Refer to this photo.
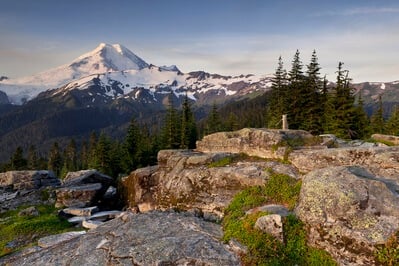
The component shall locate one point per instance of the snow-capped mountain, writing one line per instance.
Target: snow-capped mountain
(117, 72)
(104, 58)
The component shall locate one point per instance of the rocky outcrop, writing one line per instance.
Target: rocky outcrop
(184, 179)
(154, 238)
(348, 211)
(83, 189)
(262, 142)
(25, 180)
(26, 188)
(382, 161)
(3, 96)
(394, 140)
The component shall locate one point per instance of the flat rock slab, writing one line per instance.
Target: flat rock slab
(53, 240)
(81, 211)
(153, 238)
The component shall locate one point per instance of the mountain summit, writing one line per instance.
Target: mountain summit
(104, 58)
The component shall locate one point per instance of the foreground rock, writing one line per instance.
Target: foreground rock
(154, 238)
(348, 211)
(184, 180)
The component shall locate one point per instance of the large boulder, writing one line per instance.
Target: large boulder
(382, 161)
(184, 179)
(83, 189)
(154, 238)
(389, 139)
(27, 188)
(262, 142)
(25, 180)
(348, 212)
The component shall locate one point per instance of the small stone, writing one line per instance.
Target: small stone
(271, 224)
(81, 211)
(88, 224)
(31, 211)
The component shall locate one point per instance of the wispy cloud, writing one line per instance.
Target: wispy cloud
(359, 11)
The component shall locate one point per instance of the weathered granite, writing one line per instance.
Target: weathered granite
(386, 138)
(271, 224)
(153, 238)
(382, 161)
(348, 211)
(262, 142)
(183, 180)
(78, 196)
(26, 180)
(53, 240)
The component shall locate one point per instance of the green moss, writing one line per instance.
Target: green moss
(25, 230)
(222, 162)
(388, 254)
(264, 249)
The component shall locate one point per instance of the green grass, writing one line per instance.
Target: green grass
(233, 158)
(264, 249)
(26, 230)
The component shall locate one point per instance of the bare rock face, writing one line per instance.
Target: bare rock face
(386, 138)
(262, 142)
(184, 180)
(348, 211)
(153, 238)
(271, 224)
(26, 188)
(24, 180)
(83, 189)
(382, 161)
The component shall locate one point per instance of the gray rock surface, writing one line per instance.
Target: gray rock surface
(183, 180)
(381, 161)
(81, 211)
(53, 240)
(262, 142)
(153, 238)
(26, 188)
(25, 180)
(271, 224)
(348, 211)
(386, 138)
(79, 196)
(30, 211)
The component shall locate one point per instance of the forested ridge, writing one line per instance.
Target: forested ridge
(308, 99)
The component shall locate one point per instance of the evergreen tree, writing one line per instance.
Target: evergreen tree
(131, 147)
(70, 159)
(55, 159)
(377, 119)
(361, 121)
(103, 157)
(17, 161)
(341, 120)
(213, 122)
(84, 156)
(311, 95)
(392, 125)
(171, 129)
(278, 99)
(296, 91)
(188, 126)
(296, 72)
(33, 160)
(92, 151)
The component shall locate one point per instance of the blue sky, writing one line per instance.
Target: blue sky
(218, 36)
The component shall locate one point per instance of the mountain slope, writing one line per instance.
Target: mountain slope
(104, 58)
